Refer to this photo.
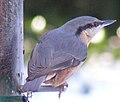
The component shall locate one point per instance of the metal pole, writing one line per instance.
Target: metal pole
(11, 49)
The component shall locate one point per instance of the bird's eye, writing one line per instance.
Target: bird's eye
(87, 34)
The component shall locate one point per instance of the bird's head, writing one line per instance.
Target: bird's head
(87, 26)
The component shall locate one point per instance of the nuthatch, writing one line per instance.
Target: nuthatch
(61, 51)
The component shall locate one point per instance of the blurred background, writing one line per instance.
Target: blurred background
(99, 78)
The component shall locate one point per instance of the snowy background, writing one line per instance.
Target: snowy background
(97, 81)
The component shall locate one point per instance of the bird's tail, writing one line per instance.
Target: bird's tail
(33, 85)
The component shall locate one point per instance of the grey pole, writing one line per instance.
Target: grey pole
(11, 49)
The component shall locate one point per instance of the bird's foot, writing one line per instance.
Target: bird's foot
(62, 88)
(29, 94)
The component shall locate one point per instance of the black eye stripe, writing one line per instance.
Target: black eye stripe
(87, 26)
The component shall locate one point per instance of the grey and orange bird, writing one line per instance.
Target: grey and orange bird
(61, 51)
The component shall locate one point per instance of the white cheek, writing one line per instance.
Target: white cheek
(94, 30)
(90, 32)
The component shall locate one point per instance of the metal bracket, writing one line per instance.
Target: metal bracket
(49, 88)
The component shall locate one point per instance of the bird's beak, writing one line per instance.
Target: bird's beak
(108, 22)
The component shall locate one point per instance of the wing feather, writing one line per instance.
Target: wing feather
(55, 52)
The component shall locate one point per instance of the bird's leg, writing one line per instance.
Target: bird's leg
(62, 88)
(26, 98)
(29, 94)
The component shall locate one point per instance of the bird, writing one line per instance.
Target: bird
(60, 52)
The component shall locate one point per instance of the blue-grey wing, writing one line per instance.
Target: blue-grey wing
(53, 54)
(69, 52)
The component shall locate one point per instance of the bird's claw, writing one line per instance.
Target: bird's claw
(62, 87)
(29, 94)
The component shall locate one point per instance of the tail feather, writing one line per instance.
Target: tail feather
(33, 85)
